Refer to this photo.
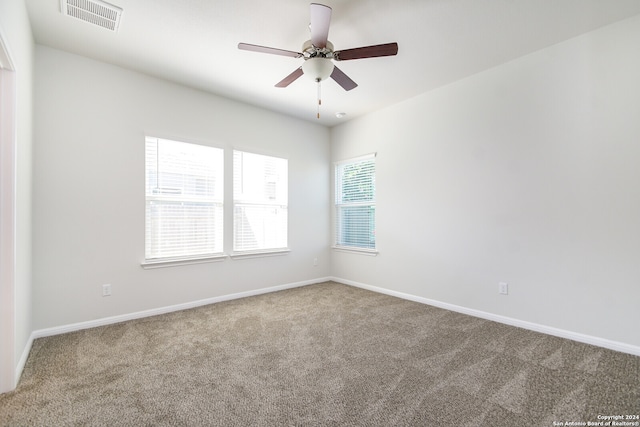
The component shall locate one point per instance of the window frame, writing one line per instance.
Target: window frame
(277, 203)
(338, 204)
(216, 201)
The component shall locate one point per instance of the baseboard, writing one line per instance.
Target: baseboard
(162, 310)
(23, 359)
(575, 336)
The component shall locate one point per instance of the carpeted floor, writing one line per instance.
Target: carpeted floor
(324, 354)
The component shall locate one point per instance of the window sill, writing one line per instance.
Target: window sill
(362, 251)
(258, 254)
(173, 262)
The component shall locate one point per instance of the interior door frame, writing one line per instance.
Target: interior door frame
(8, 138)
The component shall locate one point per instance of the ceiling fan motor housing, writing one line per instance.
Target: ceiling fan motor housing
(311, 51)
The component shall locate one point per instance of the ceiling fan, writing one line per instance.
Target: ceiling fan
(318, 53)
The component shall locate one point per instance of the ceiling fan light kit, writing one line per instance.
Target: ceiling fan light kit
(317, 69)
(318, 53)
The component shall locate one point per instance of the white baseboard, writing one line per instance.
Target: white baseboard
(162, 310)
(575, 336)
(23, 359)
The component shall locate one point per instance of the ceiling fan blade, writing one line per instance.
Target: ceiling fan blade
(271, 50)
(342, 79)
(320, 19)
(290, 78)
(388, 49)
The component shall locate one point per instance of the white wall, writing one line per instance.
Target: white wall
(91, 119)
(16, 29)
(527, 173)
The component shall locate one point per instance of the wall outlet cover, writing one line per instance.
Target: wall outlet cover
(503, 288)
(106, 290)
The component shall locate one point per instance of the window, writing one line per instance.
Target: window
(184, 200)
(355, 204)
(260, 197)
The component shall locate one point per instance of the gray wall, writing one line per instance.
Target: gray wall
(527, 173)
(91, 120)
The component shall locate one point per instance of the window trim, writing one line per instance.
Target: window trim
(259, 253)
(352, 249)
(173, 262)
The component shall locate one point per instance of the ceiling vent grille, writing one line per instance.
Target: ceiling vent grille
(95, 12)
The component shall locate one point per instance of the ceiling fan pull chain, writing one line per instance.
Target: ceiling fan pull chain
(319, 97)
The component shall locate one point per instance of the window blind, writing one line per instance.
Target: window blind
(184, 200)
(355, 206)
(260, 202)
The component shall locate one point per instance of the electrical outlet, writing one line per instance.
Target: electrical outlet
(503, 288)
(315, 261)
(106, 290)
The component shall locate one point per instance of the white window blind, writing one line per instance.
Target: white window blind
(184, 200)
(355, 203)
(260, 199)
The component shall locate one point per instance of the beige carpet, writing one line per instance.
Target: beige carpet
(324, 354)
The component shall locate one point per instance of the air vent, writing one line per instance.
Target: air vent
(95, 12)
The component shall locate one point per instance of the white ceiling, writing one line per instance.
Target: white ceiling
(194, 43)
